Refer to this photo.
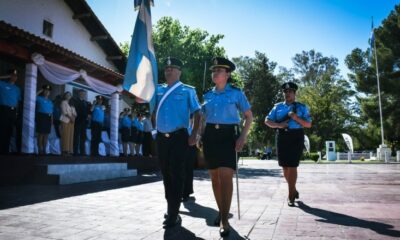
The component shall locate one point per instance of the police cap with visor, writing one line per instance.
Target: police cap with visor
(219, 62)
(173, 63)
(289, 85)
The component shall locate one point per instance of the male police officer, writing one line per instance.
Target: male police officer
(10, 95)
(82, 112)
(175, 103)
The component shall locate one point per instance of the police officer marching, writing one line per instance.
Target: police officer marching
(222, 139)
(44, 117)
(10, 95)
(97, 124)
(175, 103)
(289, 118)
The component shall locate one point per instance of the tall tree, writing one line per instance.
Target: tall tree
(364, 77)
(194, 47)
(261, 88)
(327, 94)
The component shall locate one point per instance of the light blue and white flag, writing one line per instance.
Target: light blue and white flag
(371, 42)
(141, 70)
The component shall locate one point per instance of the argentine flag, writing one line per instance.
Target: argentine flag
(371, 43)
(141, 69)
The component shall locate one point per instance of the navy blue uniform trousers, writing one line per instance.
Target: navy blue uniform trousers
(172, 153)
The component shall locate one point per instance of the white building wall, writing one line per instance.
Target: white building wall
(67, 32)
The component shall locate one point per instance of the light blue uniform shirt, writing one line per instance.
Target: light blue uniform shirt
(10, 94)
(281, 110)
(44, 105)
(176, 108)
(137, 124)
(98, 114)
(126, 122)
(223, 107)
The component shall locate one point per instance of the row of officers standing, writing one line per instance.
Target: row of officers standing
(71, 117)
(217, 126)
(221, 134)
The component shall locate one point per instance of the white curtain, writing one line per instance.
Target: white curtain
(59, 75)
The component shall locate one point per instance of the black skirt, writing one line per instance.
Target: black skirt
(134, 135)
(219, 145)
(43, 123)
(290, 145)
(125, 134)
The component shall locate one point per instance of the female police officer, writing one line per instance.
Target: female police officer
(221, 139)
(44, 117)
(289, 118)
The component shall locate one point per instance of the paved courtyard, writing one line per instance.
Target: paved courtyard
(337, 201)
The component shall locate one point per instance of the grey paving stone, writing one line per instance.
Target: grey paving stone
(346, 201)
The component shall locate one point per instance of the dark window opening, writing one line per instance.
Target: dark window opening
(47, 28)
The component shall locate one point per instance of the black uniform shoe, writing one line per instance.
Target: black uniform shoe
(224, 232)
(297, 195)
(290, 202)
(169, 223)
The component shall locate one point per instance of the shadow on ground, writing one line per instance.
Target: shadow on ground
(208, 214)
(244, 173)
(346, 220)
(21, 195)
(180, 233)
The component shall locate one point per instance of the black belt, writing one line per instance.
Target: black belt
(8, 107)
(282, 130)
(221, 126)
(170, 134)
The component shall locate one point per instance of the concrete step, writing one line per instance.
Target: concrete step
(77, 173)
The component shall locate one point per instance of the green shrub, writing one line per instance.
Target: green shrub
(314, 156)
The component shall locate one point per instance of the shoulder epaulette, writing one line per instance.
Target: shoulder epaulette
(189, 86)
(235, 87)
(276, 104)
(208, 90)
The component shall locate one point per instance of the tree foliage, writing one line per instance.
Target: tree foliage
(364, 77)
(327, 95)
(261, 88)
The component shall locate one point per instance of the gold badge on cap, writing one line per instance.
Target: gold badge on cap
(215, 61)
(287, 85)
(169, 61)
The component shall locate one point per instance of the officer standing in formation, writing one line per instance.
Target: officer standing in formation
(175, 103)
(222, 138)
(10, 96)
(97, 124)
(44, 117)
(289, 118)
(82, 113)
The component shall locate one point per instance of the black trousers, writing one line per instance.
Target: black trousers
(146, 147)
(79, 137)
(96, 138)
(172, 152)
(8, 117)
(190, 162)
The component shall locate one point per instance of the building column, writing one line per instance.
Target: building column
(28, 117)
(114, 119)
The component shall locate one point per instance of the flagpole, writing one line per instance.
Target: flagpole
(379, 94)
(204, 75)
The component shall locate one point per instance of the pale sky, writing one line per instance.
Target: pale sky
(279, 28)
